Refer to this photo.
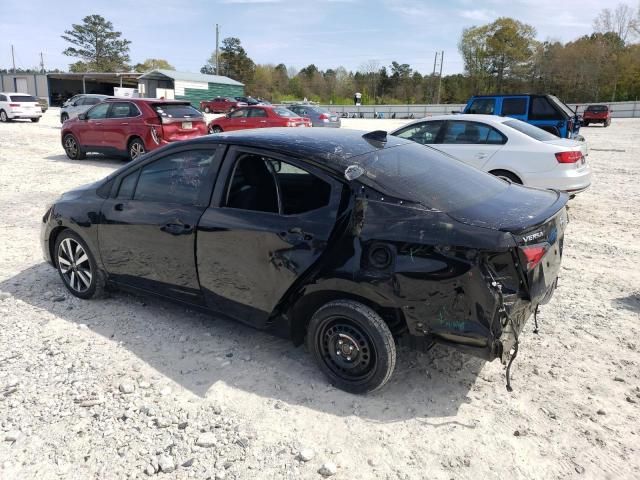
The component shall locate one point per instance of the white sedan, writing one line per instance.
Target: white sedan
(506, 147)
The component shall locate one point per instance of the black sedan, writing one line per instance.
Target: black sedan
(355, 242)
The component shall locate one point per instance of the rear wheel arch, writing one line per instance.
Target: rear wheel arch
(301, 312)
(501, 173)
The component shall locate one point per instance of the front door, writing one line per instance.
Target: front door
(472, 142)
(148, 227)
(269, 222)
(237, 120)
(90, 129)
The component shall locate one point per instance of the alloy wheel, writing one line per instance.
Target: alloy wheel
(71, 146)
(136, 150)
(346, 349)
(74, 265)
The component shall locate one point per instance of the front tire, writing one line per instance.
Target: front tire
(352, 345)
(77, 266)
(72, 147)
(64, 117)
(136, 149)
(35, 120)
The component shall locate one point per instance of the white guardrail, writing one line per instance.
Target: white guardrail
(618, 109)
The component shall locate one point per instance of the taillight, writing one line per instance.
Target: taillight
(14, 104)
(533, 254)
(568, 157)
(291, 124)
(324, 117)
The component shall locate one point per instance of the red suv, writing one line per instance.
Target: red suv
(597, 114)
(130, 127)
(258, 117)
(221, 105)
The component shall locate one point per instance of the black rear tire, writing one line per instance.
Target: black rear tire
(586, 124)
(215, 129)
(352, 345)
(72, 148)
(77, 266)
(506, 175)
(35, 120)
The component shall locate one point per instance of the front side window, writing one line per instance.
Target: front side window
(3, 98)
(128, 186)
(461, 132)
(424, 133)
(98, 112)
(485, 106)
(263, 184)
(90, 101)
(240, 113)
(176, 178)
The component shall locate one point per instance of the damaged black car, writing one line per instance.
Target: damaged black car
(352, 242)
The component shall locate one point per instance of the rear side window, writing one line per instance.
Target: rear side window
(90, 101)
(461, 132)
(176, 111)
(484, 106)
(123, 110)
(541, 109)
(514, 106)
(257, 112)
(424, 133)
(3, 98)
(284, 112)
(176, 178)
(23, 98)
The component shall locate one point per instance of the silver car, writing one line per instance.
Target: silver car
(79, 104)
(319, 116)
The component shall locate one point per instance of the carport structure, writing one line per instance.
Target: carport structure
(65, 85)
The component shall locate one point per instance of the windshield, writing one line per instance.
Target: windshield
(597, 108)
(427, 176)
(563, 106)
(23, 98)
(284, 112)
(530, 130)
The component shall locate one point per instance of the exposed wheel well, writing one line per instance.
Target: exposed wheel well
(132, 138)
(301, 312)
(506, 173)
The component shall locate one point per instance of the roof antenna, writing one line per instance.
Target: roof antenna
(377, 138)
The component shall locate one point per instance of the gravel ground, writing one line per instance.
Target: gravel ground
(132, 387)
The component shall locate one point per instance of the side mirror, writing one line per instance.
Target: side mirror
(276, 165)
(82, 116)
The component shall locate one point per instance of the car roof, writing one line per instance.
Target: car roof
(147, 100)
(511, 95)
(470, 117)
(332, 147)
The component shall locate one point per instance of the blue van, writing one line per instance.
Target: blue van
(544, 111)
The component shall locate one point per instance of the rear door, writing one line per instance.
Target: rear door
(516, 107)
(117, 126)
(148, 230)
(472, 142)
(257, 118)
(270, 220)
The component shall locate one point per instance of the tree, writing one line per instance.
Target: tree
(233, 62)
(97, 45)
(623, 21)
(370, 69)
(153, 64)
(498, 51)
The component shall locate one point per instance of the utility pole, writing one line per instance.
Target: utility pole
(41, 63)
(433, 75)
(440, 79)
(13, 59)
(217, 39)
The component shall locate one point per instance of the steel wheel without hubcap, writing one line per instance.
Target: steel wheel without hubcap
(74, 265)
(346, 349)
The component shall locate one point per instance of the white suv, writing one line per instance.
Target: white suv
(19, 105)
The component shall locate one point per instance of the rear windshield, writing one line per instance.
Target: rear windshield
(23, 98)
(530, 130)
(597, 108)
(427, 176)
(562, 106)
(321, 110)
(172, 110)
(284, 112)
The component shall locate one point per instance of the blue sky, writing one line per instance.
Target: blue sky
(328, 33)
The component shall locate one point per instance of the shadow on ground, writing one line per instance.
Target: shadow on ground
(93, 159)
(197, 351)
(630, 302)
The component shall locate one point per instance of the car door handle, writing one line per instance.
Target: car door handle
(176, 228)
(124, 123)
(97, 123)
(119, 207)
(263, 121)
(482, 155)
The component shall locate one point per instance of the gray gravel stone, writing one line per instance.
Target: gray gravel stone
(207, 440)
(328, 469)
(306, 454)
(127, 387)
(166, 463)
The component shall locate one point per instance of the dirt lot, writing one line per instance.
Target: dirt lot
(129, 386)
